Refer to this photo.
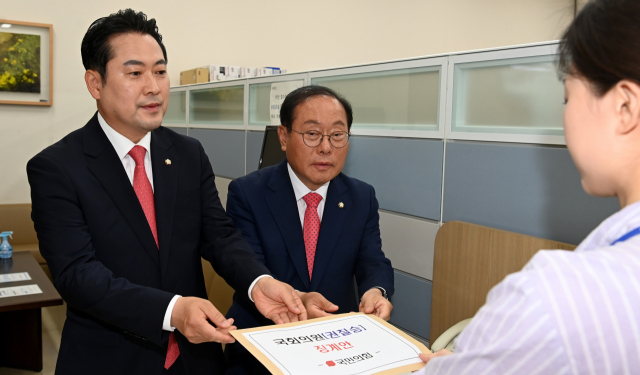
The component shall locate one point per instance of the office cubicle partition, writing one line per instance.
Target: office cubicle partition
(471, 136)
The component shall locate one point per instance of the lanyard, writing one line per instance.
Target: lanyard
(633, 233)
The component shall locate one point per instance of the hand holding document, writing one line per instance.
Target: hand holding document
(278, 301)
(346, 344)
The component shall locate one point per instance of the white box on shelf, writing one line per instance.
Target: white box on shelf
(233, 72)
(265, 72)
(248, 72)
(217, 73)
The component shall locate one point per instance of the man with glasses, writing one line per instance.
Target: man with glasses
(313, 227)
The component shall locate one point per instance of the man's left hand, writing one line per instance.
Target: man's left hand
(278, 301)
(374, 303)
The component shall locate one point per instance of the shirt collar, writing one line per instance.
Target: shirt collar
(616, 226)
(300, 189)
(120, 143)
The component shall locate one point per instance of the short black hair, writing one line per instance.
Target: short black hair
(298, 96)
(96, 47)
(602, 44)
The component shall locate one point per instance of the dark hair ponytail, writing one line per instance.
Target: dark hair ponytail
(603, 44)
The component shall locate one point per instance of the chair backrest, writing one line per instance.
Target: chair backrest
(17, 218)
(471, 259)
(219, 292)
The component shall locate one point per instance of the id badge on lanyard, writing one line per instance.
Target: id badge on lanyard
(633, 233)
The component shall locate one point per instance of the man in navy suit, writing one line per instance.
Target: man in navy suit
(125, 209)
(313, 227)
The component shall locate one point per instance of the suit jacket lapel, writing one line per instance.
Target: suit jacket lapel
(165, 184)
(282, 204)
(333, 220)
(105, 165)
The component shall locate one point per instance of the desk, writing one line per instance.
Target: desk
(20, 318)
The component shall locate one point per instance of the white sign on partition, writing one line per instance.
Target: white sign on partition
(279, 91)
(348, 344)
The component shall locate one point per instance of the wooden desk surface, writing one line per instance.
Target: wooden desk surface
(25, 262)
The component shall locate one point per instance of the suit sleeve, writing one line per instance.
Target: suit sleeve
(373, 269)
(223, 244)
(83, 281)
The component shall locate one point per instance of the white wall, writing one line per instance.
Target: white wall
(298, 35)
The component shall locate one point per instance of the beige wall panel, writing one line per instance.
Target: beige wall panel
(223, 187)
(298, 35)
(408, 243)
(581, 3)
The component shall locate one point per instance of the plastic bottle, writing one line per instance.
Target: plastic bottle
(6, 251)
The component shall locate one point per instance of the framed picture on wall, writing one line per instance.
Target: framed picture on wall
(26, 63)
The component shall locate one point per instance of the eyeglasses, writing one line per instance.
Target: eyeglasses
(313, 138)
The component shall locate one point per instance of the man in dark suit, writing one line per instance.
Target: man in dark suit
(312, 226)
(125, 209)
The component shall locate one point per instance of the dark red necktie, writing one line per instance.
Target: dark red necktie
(142, 187)
(311, 228)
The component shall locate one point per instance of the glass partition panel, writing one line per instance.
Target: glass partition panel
(260, 99)
(177, 108)
(515, 96)
(259, 104)
(405, 99)
(218, 106)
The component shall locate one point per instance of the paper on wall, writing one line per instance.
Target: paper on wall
(279, 91)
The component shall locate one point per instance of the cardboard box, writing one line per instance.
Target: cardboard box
(198, 75)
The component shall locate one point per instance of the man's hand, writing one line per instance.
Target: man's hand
(373, 302)
(317, 306)
(426, 357)
(278, 301)
(190, 315)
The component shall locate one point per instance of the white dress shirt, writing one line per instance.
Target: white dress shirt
(566, 312)
(300, 190)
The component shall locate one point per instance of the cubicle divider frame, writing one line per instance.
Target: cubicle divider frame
(183, 124)
(437, 63)
(446, 63)
(546, 50)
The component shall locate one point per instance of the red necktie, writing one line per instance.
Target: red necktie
(311, 228)
(142, 187)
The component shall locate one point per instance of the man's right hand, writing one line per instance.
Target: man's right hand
(317, 306)
(190, 315)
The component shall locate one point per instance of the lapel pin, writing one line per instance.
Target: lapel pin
(167, 162)
(341, 205)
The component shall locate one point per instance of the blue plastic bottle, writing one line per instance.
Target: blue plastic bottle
(6, 251)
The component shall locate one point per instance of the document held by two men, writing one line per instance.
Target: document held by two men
(345, 344)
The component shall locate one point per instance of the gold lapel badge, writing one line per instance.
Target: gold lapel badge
(167, 162)
(341, 205)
